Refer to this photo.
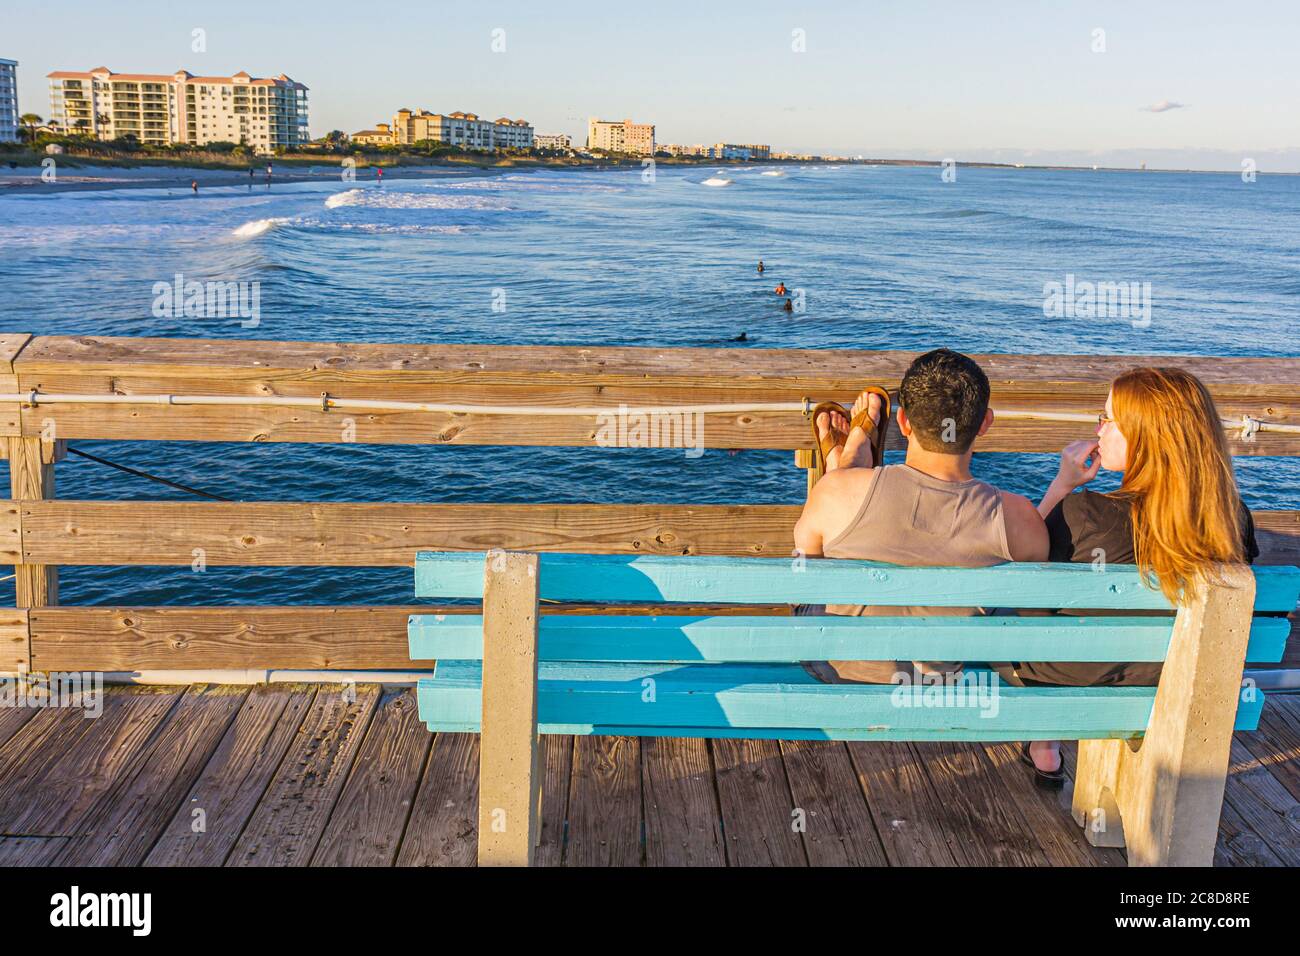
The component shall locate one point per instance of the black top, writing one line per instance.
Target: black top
(1087, 520)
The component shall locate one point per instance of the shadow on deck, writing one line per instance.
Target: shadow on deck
(298, 774)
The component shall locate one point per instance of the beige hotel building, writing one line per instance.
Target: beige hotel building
(621, 137)
(163, 109)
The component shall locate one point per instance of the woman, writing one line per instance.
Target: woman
(1176, 514)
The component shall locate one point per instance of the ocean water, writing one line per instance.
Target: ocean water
(887, 258)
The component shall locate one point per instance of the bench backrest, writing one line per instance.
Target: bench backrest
(735, 675)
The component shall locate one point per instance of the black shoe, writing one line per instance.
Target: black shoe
(1046, 779)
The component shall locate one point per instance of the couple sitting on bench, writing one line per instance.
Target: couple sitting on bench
(1176, 513)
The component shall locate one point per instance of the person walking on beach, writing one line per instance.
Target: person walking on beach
(379, 174)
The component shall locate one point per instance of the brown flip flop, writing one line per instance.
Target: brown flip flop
(875, 433)
(835, 438)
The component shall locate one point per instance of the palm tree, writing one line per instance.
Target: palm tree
(30, 121)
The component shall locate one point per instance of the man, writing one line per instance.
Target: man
(927, 511)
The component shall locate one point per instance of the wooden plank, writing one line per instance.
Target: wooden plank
(125, 824)
(308, 637)
(12, 719)
(1264, 804)
(370, 817)
(579, 697)
(1276, 743)
(349, 534)
(36, 583)
(346, 534)
(208, 822)
(757, 808)
(58, 783)
(979, 816)
(682, 820)
(291, 816)
(11, 344)
(31, 851)
(1239, 845)
(1262, 387)
(837, 826)
(509, 783)
(741, 639)
(1046, 815)
(605, 803)
(557, 778)
(443, 827)
(15, 641)
(902, 803)
(652, 577)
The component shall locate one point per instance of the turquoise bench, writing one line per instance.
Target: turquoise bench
(1151, 766)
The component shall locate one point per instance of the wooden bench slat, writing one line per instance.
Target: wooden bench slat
(599, 696)
(587, 577)
(684, 640)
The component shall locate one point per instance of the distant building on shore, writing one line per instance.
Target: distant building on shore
(163, 109)
(740, 151)
(466, 130)
(381, 135)
(623, 136)
(553, 141)
(8, 101)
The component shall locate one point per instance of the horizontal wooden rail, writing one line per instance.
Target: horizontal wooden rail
(1265, 388)
(251, 637)
(348, 534)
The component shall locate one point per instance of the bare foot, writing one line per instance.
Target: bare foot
(828, 423)
(857, 449)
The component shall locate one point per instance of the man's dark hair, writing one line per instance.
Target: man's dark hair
(945, 395)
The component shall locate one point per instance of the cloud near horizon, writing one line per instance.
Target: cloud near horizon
(1164, 106)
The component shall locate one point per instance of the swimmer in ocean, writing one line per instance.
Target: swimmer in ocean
(194, 184)
(780, 288)
(789, 305)
(760, 267)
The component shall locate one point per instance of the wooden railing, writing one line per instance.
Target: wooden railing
(41, 532)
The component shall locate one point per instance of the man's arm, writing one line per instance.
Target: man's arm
(808, 529)
(1026, 532)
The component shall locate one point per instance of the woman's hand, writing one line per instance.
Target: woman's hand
(1073, 472)
(1075, 469)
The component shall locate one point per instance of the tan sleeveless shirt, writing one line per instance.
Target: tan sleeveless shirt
(908, 517)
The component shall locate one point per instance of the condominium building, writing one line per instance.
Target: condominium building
(8, 101)
(466, 130)
(621, 137)
(553, 141)
(162, 109)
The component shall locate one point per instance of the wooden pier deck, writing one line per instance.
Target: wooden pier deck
(324, 775)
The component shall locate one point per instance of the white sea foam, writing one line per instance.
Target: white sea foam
(716, 181)
(375, 198)
(256, 227)
(773, 172)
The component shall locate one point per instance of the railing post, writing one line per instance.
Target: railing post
(509, 783)
(31, 476)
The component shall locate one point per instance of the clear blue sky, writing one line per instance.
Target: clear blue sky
(1013, 80)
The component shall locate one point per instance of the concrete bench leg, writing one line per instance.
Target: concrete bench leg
(509, 783)
(1163, 799)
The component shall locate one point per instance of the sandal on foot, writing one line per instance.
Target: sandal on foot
(876, 433)
(1046, 779)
